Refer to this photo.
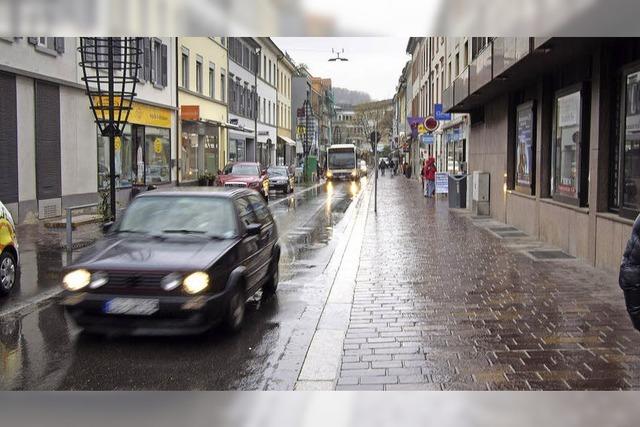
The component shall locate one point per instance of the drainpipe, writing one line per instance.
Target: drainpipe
(178, 136)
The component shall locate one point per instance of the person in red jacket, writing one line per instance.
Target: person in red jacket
(429, 177)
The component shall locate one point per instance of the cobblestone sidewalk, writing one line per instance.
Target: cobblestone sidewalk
(441, 304)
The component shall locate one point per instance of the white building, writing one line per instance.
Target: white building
(242, 99)
(267, 101)
(52, 155)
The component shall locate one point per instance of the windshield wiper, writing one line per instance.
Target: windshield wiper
(131, 231)
(183, 231)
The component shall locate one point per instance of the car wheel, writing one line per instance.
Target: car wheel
(271, 286)
(234, 317)
(7, 273)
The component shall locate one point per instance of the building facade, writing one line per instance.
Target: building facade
(242, 98)
(202, 82)
(267, 101)
(554, 122)
(286, 144)
(47, 130)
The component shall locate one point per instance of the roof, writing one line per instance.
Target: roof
(194, 191)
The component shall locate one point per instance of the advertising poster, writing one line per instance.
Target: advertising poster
(524, 144)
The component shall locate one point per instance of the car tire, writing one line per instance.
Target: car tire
(8, 272)
(271, 285)
(236, 307)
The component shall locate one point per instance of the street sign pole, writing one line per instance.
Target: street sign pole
(375, 184)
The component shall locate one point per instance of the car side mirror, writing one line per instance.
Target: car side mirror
(107, 226)
(254, 229)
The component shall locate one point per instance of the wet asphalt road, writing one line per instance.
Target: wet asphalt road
(43, 350)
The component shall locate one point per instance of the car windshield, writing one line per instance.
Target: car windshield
(245, 170)
(342, 159)
(211, 216)
(277, 171)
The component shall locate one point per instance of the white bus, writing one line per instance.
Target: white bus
(342, 162)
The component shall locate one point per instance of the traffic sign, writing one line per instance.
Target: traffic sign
(430, 124)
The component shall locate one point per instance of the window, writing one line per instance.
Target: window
(260, 210)
(185, 69)
(245, 212)
(629, 134)
(223, 91)
(570, 167)
(159, 63)
(264, 67)
(212, 81)
(466, 54)
(269, 117)
(199, 75)
(158, 155)
(269, 71)
(525, 148)
(264, 109)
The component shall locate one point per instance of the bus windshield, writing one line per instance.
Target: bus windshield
(341, 159)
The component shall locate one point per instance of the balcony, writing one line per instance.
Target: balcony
(509, 64)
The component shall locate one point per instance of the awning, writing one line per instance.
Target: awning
(236, 127)
(289, 141)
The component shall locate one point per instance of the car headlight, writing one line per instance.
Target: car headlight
(196, 282)
(353, 173)
(329, 174)
(76, 280)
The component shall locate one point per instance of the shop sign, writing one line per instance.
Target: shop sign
(157, 145)
(438, 114)
(140, 114)
(190, 112)
(442, 182)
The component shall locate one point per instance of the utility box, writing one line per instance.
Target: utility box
(480, 198)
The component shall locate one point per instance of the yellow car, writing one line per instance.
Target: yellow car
(9, 257)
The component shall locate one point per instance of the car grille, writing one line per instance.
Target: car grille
(235, 184)
(132, 281)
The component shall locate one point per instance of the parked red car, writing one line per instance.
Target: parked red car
(246, 174)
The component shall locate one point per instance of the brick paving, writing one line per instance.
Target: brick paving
(442, 304)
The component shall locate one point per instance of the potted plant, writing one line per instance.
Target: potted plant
(203, 179)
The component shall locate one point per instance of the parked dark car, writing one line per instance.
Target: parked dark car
(246, 175)
(176, 262)
(281, 178)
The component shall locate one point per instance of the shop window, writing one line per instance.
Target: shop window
(524, 176)
(629, 152)
(124, 171)
(158, 155)
(570, 147)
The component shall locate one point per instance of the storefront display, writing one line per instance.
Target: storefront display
(198, 150)
(525, 152)
(567, 144)
(142, 152)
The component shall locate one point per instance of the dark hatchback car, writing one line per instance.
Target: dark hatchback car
(281, 179)
(176, 262)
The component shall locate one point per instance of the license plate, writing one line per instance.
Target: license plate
(131, 306)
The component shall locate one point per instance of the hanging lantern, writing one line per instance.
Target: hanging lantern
(110, 72)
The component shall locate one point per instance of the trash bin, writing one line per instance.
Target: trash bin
(458, 191)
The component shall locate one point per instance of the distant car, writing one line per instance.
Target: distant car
(245, 175)
(176, 262)
(281, 178)
(9, 253)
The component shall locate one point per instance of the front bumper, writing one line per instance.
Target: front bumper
(176, 315)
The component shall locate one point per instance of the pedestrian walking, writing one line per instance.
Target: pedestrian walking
(395, 168)
(629, 278)
(406, 169)
(391, 167)
(382, 166)
(429, 177)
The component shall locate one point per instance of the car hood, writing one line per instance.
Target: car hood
(142, 253)
(239, 178)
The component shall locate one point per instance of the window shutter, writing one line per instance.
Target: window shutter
(165, 66)
(147, 59)
(59, 44)
(32, 40)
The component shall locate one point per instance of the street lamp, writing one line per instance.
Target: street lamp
(110, 93)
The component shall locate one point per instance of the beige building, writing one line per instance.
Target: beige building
(202, 98)
(286, 145)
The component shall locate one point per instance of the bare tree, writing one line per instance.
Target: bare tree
(373, 116)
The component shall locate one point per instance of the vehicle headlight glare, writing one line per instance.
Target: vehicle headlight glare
(76, 280)
(196, 282)
(329, 174)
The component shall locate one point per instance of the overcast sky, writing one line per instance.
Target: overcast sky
(374, 64)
